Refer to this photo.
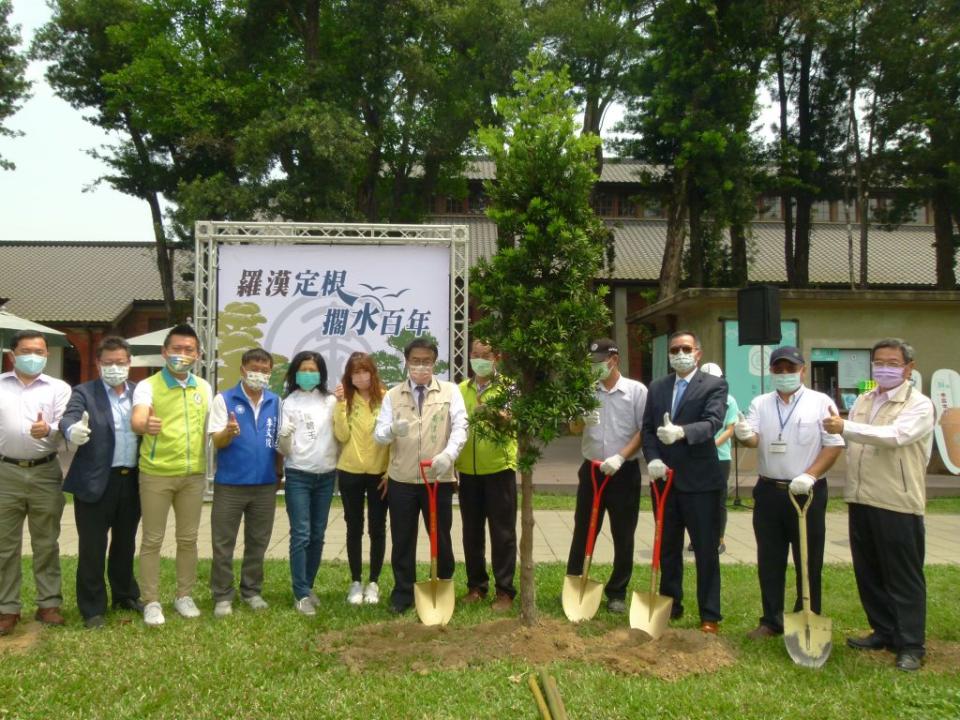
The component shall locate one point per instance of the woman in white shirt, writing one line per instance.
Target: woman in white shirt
(309, 447)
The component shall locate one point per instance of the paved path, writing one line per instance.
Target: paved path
(552, 540)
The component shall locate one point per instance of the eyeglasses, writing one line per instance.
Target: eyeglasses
(677, 349)
(887, 364)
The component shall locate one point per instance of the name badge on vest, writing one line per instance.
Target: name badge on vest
(777, 448)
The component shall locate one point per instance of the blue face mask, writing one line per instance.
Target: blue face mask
(30, 364)
(180, 363)
(307, 380)
(786, 382)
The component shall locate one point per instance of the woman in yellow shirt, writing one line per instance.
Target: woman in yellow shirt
(361, 471)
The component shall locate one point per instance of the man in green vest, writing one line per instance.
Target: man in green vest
(488, 490)
(170, 410)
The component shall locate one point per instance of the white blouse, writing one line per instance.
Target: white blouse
(314, 446)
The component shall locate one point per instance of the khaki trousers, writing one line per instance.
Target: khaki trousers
(35, 494)
(157, 494)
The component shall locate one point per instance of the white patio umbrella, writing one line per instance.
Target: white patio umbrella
(148, 343)
(10, 324)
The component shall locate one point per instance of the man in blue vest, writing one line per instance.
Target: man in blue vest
(243, 426)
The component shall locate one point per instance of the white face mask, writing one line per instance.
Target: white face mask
(420, 374)
(683, 362)
(787, 382)
(114, 375)
(256, 380)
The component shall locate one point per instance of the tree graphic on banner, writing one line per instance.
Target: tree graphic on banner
(237, 331)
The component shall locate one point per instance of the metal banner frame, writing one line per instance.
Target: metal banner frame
(210, 234)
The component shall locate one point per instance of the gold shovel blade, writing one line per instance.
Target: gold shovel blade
(434, 600)
(581, 601)
(650, 613)
(808, 637)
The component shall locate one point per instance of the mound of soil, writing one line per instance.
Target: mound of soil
(631, 652)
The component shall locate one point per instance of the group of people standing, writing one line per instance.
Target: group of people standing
(141, 449)
(684, 425)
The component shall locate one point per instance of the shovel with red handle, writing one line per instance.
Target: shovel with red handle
(433, 598)
(581, 595)
(650, 612)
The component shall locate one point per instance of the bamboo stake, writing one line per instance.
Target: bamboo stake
(538, 696)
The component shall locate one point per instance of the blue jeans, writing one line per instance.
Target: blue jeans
(308, 497)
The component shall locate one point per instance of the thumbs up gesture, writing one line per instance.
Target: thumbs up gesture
(668, 433)
(742, 428)
(154, 424)
(833, 423)
(39, 429)
(233, 427)
(79, 432)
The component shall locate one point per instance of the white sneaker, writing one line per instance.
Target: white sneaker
(314, 600)
(371, 595)
(221, 609)
(153, 614)
(304, 606)
(355, 594)
(186, 607)
(256, 602)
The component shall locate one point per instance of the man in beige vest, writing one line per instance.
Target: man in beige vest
(422, 418)
(889, 436)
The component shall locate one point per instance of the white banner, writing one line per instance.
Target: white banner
(331, 299)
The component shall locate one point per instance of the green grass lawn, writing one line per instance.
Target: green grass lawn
(269, 666)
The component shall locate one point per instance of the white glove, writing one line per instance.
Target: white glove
(80, 431)
(668, 433)
(400, 427)
(657, 469)
(592, 417)
(611, 464)
(441, 465)
(742, 428)
(802, 484)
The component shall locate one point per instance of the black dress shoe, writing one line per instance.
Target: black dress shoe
(869, 642)
(94, 623)
(676, 613)
(909, 660)
(398, 609)
(129, 604)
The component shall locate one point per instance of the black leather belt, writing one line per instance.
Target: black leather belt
(28, 463)
(123, 470)
(781, 484)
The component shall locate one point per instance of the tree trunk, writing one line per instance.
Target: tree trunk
(786, 197)
(528, 588)
(673, 249)
(943, 240)
(738, 253)
(592, 113)
(801, 242)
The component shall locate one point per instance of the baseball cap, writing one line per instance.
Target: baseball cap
(603, 348)
(788, 353)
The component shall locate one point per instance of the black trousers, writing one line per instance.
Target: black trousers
(354, 488)
(725, 469)
(699, 514)
(888, 550)
(776, 528)
(408, 502)
(490, 500)
(117, 513)
(621, 501)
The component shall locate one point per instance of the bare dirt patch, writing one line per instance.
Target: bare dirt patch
(24, 638)
(631, 652)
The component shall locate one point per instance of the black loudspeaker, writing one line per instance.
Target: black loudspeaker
(758, 315)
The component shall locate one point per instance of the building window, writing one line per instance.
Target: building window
(603, 204)
(628, 207)
(478, 203)
(653, 210)
(769, 208)
(455, 206)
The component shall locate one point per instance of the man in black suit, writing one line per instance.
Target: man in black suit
(682, 415)
(103, 478)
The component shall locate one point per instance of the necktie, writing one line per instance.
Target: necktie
(421, 391)
(681, 388)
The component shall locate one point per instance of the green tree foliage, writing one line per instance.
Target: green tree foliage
(390, 365)
(14, 86)
(694, 96)
(536, 299)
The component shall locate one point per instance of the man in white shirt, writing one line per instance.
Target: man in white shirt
(420, 419)
(31, 405)
(611, 435)
(793, 454)
(889, 437)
